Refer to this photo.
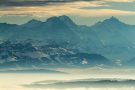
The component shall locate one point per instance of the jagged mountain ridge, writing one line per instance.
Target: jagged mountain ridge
(110, 38)
(59, 29)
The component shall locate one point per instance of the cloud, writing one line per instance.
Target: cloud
(97, 70)
(4, 3)
(35, 2)
(87, 84)
(66, 9)
(45, 8)
(119, 0)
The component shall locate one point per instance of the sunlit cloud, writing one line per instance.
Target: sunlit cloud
(63, 10)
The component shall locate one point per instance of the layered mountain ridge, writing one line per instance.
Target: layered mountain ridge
(106, 43)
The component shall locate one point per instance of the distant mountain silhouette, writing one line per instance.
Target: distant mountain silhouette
(111, 21)
(59, 29)
(110, 38)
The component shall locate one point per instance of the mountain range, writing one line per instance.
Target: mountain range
(60, 42)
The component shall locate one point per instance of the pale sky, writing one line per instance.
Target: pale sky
(86, 12)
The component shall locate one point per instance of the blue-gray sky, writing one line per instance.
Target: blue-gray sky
(81, 11)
